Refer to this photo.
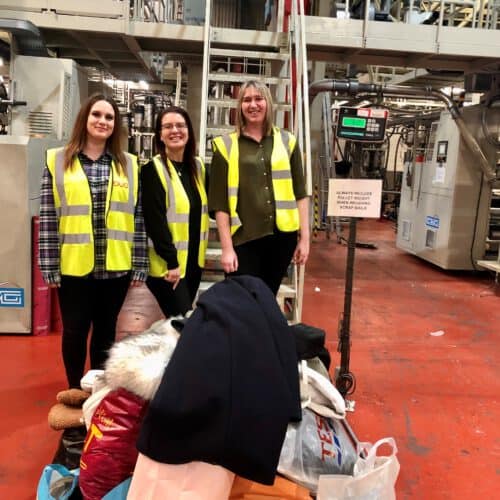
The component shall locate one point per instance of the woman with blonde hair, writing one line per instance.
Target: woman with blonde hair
(92, 237)
(257, 192)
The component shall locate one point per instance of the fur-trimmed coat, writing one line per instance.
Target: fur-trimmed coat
(132, 374)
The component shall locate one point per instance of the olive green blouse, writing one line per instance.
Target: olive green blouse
(256, 207)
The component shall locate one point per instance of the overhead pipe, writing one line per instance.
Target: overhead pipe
(353, 87)
(29, 41)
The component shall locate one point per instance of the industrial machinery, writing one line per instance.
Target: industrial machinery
(450, 199)
(449, 210)
(52, 90)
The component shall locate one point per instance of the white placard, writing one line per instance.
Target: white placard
(439, 174)
(354, 198)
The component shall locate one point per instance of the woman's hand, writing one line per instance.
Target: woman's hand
(229, 260)
(136, 283)
(301, 251)
(173, 276)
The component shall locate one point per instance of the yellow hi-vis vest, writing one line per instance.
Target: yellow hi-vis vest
(177, 203)
(73, 203)
(287, 214)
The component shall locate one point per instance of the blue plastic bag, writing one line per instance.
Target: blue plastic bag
(57, 483)
(119, 492)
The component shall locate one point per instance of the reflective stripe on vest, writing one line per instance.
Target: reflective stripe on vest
(287, 215)
(73, 202)
(178, 207)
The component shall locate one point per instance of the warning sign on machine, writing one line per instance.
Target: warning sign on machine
(354, 198)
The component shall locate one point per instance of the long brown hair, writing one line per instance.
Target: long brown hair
(189, 149)
(263, 90)
(78, 137)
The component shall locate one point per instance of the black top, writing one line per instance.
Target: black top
(231, 387)
(155, 212)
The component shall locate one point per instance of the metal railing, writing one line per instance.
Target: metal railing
(481, 14)
(157, 11)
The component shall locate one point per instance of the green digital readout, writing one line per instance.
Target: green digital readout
(353, 122)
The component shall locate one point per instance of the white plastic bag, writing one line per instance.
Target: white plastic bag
(319, 394)
(373, 477)
(316, 445)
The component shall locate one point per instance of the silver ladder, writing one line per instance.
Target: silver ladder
(225, 68)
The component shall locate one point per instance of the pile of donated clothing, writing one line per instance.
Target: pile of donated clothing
(230, 403)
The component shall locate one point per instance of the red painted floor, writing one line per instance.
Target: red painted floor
(438, 396)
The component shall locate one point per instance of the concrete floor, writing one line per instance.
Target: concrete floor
(438, 396)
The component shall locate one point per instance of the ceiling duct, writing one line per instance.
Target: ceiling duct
(27, 37)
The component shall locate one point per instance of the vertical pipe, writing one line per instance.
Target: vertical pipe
(305, 102)
(204, 82)
(365, 21)
(178, 84)
(280, 16)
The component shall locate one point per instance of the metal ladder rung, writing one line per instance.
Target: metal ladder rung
(250, 54)
(215, 130)
(243, 77)
(232, 103)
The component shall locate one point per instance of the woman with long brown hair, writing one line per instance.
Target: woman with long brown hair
(92, 238)
(175, 213)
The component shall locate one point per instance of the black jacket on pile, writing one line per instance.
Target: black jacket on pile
(231, 386)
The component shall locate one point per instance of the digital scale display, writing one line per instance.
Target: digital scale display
(349, 121)
(363, 124)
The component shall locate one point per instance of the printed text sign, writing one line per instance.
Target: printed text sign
(354, 198)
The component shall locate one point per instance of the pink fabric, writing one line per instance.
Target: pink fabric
(192, 481)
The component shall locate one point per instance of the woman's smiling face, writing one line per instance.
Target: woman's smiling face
(174, 132)
(253, 107)
(101, 121)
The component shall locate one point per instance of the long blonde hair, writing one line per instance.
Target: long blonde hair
(263, 90)
(78, 138)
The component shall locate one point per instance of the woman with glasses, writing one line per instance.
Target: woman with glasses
(257, 192)
(175, 213)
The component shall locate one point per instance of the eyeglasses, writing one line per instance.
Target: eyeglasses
(170, 126)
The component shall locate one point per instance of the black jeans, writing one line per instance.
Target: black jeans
(267, 258)
(87, 302)
(178, 301)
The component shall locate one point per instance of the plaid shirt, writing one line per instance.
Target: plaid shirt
(97, 173)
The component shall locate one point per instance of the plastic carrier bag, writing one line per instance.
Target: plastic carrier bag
(314, 446)
(57, 483)
(373, 478)
(119, 492)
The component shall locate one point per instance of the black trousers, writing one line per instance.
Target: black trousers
(87, 302)
(178, 301)
(267, 258)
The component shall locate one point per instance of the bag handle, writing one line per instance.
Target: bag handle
(366, 463)
(304, 379)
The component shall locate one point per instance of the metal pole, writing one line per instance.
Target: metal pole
(345, 379)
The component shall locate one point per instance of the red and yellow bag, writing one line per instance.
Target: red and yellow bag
(109, 453)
